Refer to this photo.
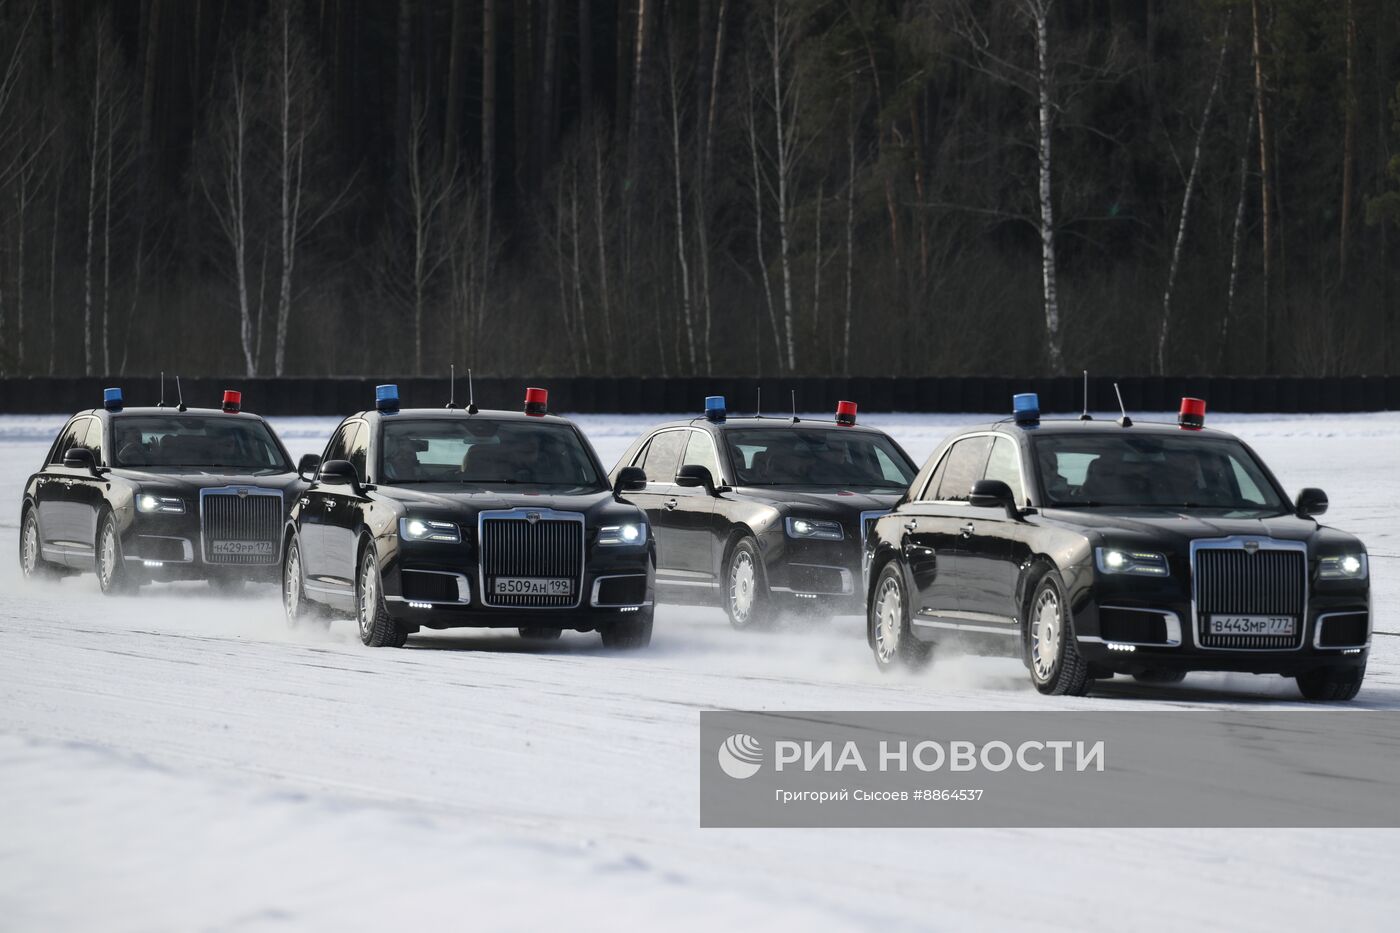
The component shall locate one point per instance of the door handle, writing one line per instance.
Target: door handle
(670, 504)
(911, 525)
(967, 530)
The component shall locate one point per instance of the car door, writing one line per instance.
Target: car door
(933, 531)
(687, 515)
(987, 564)
(316, 502)
(660, 460)
(341, 520)
(88, 492)
(59, 529)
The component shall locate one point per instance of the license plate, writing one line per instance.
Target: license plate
(261, 548)
(533, 586)
(1252, 625)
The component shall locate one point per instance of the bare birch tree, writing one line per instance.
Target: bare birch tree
(1186, 200)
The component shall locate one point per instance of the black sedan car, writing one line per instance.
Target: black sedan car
(143, 494)
(760, 515)
(1094, 548)
(447, 518)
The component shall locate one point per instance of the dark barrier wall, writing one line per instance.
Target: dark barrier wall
(339, 396)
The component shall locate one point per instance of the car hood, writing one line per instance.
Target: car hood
(823, 501)
(192, 479)
(454, 498)
(1180, 527)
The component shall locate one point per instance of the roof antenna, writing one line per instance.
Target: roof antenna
(1086, 416)
(452, 386)
(1125, 421)
(758, 406)
(161, 403)
(180, 395)
(471, 395)
(795, 419)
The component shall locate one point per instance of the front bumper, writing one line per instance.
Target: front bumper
(169, 546)
(824, 576)
(1116, 632)
(434, 587)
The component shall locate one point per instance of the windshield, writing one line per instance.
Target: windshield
(241, 445)
(1153, 471)
(817, 457)
(484, 452)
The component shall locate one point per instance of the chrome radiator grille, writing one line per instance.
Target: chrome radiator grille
(241, 529)
(1234, 581)
(547, 548)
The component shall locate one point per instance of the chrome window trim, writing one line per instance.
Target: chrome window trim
(463, 586)
(1173, 629)
(518, 514)
(1317, 630)
(1236, 542)
(598, 583)
(232, 490)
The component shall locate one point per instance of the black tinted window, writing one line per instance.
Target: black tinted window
(963, 468)
(1005, 465)
(359, 451)
(224, 441)
(339, 447)
(663, 456)
(71, 436)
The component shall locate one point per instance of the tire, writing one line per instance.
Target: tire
(298, 611)
(631, 635)
(747, 601)
(887, 616)
(1330, 684)
(1158, 676)
(377, 630)
(540, 632)
(1056, 666)
(112, 575)
(32, 565)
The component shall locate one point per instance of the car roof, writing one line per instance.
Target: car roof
(169, 412)
(1097, 426)
(457, 414)
(764, 422)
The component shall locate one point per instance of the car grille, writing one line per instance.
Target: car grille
(546, 548)
(1233, 581)
(241, 529)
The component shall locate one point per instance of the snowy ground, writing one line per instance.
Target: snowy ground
(176, 762)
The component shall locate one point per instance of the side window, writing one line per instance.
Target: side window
(663, 456)
(73, 435)
(701, 452)
(1004, 464)
(94, 439)
(339, 447)
(963, 468)
(930, 490)
(889, 470)
(359, 451)
(1249, 489)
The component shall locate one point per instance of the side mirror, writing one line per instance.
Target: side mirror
(79, 458)
(306, 466)
(629, 479)
(1310, 502)
(338, 473)
(693, 474)
(991, 494)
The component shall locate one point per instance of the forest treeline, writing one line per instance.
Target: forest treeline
(692, 187)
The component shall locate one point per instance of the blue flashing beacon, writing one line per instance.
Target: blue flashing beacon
(1025, 408)
(386, 398)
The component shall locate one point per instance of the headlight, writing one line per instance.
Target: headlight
(633, 533)
(1342, 567)
(810, 529)
(149, 502)
(1141, 563)
(421, 529)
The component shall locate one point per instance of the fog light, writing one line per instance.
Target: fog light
(153, 563)
(415, 604)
